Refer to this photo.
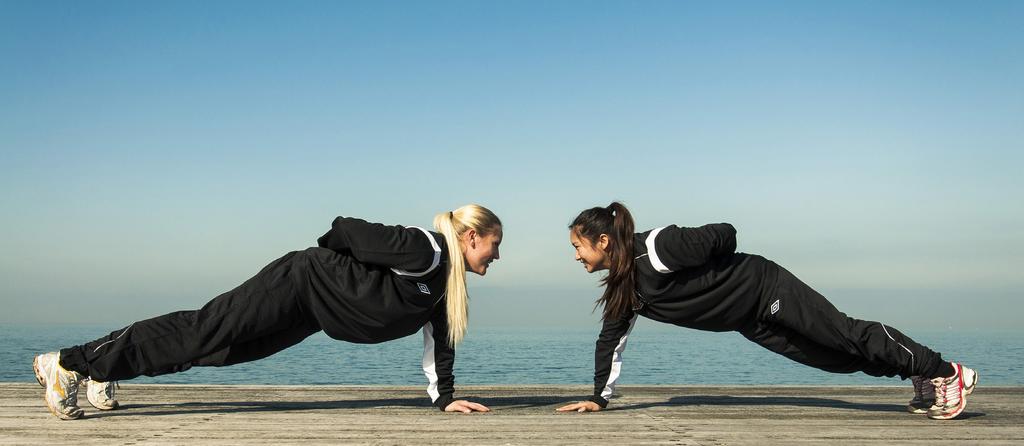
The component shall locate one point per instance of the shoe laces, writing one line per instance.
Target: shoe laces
(108, 388)
(68, 382)
(947, 390)
(923, 388)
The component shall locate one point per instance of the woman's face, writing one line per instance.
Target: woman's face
(593, 256)
(480, 251)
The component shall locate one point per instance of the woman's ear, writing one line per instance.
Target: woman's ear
(602, 242)
(469, 238)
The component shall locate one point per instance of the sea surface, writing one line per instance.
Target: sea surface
(654, 355)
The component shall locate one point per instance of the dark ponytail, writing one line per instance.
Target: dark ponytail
(616, 222)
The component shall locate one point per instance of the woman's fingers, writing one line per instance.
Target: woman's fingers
(582, 406)
(466, 407)
(569, 407)
(456, 406)
(478, 406)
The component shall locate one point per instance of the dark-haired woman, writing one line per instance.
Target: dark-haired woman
(365, 283)
(693, 277)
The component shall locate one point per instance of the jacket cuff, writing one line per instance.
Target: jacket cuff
(443, 401)
(600, 401)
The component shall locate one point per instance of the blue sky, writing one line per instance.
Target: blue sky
(153, 155)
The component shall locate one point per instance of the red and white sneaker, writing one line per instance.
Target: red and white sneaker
(951, 393)
(924, 395)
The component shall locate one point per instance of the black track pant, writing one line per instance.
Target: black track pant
(257, 319)
(800, 324)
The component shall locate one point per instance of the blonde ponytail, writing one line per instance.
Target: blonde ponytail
(452, 225)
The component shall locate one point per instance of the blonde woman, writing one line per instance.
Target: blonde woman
(364, 283)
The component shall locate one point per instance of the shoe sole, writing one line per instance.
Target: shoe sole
(920, 410)
(950, 416)
(39, 373)
(104, 407)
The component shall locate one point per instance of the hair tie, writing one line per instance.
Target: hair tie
(451, 215)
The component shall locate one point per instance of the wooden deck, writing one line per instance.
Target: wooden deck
(690, 415)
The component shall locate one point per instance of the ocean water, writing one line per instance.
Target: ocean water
(655, 355)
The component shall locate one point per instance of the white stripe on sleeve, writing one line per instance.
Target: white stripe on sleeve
(429, 367)
(433, 264)
(653, 254)
(613, 376)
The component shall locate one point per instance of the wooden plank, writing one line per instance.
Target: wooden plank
(669, 415)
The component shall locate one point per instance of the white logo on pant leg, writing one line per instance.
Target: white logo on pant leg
(423, 288)
(775, 306)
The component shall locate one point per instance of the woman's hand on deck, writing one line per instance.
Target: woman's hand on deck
(465, 407)
(582, 406)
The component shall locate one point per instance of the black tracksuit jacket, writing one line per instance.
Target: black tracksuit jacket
(391, 281)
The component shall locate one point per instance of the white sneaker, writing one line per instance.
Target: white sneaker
(61, 385)
(101, 394)
(924, 395)
(951, 393)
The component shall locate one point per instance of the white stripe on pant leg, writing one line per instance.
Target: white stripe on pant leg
(901, 345)
(112, 340)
